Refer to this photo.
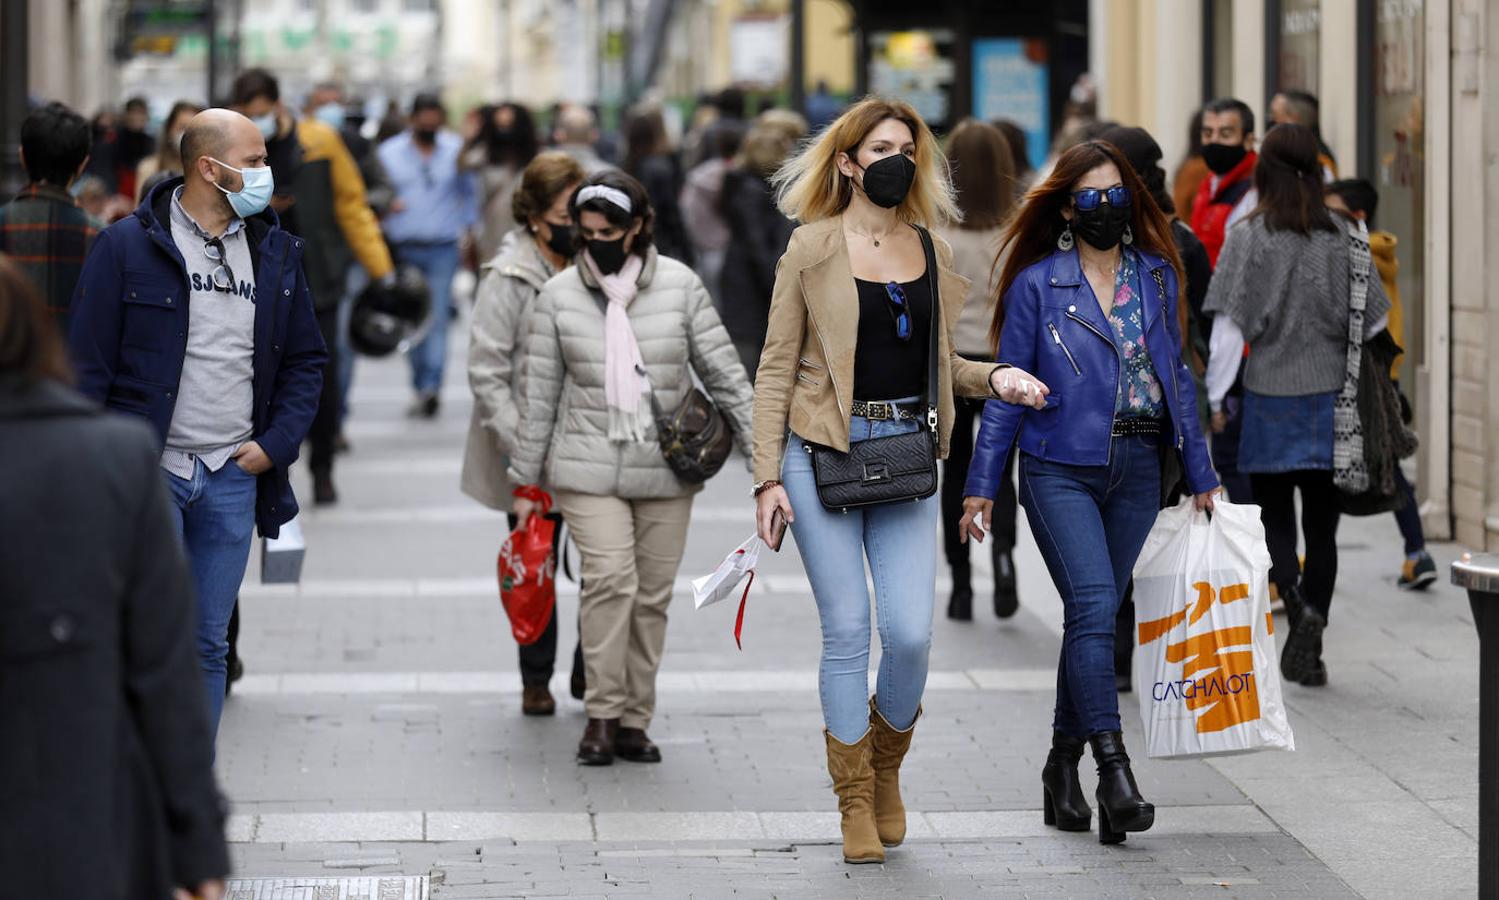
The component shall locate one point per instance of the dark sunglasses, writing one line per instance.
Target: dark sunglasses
(1089, 198)
(223, 276)
(899, 310)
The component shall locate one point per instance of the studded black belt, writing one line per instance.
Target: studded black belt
(1134, 426)
(880, 411)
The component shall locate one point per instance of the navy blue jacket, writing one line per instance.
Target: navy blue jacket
(129, 335)
(1055, 330)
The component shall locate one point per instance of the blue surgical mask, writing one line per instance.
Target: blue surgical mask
(255, 195)
(330, 114)
(267, 125)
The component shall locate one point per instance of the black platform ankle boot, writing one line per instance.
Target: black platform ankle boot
(1064, 803)
(1120, 807)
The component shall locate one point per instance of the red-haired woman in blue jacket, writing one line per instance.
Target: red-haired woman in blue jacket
(1089, 296)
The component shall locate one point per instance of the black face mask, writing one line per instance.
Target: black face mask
(1221, 158)
(887, 182)
(609, 256)
(1101, 226)
(425, 136)
(561, 241)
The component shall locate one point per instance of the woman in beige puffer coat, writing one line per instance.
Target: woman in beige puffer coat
(587, 431)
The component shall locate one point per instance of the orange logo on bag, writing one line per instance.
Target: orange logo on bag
(1217, 678)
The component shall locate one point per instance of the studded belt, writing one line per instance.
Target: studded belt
(1134, 426)
(876, 412)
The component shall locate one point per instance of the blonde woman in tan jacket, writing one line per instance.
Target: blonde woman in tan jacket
(845, 360)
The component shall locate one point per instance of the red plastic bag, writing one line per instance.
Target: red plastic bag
(527, 569)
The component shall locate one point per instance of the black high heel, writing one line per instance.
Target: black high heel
(1063, 803)
(1121, 809)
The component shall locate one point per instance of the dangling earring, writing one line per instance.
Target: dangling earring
(1128, 237)
(1064, 242)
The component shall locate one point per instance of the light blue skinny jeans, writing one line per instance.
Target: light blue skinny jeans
(900, 541)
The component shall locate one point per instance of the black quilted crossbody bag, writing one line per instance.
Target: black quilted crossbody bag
(887, 469)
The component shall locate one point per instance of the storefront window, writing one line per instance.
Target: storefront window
(1300, 40)
(1400, 159)
(1223, 48)
(917, 67)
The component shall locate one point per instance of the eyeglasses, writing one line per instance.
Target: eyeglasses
(899, 310)
(1089, 198)
(223, 276)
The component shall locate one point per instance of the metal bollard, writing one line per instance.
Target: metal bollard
(1480, 576)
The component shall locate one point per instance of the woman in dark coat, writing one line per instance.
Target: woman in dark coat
(758, 232)
(651, 160)
(106, 757)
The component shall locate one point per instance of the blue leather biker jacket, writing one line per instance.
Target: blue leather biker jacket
(1055, 330)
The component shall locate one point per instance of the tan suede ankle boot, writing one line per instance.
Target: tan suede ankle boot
(890, 748)
(853, 782)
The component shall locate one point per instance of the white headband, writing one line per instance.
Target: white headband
(604, 192)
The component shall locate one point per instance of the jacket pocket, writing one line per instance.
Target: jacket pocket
(809, 364)
(148, 318)
(808, 380)
(1056, 338)
(29, 634)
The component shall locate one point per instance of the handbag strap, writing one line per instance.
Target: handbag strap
(931, 354)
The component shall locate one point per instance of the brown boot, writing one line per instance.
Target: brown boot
(890, 748)
(536, 700)
(597, 746)
(853, 781)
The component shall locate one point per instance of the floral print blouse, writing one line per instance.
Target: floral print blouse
(1140, 393)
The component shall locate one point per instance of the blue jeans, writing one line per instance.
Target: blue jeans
(1090, 523)
(438, 263)
(1408, 517)
(215, 521)
(900, 540)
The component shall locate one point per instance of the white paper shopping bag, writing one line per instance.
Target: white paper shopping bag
(721, 583)
(1205, 663)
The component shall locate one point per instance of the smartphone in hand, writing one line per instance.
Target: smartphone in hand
(777, 529)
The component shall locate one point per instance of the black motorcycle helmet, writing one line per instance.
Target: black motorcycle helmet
(388, 318)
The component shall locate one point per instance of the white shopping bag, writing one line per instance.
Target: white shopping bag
(281, 557)
(1205, 663)
(722, 581)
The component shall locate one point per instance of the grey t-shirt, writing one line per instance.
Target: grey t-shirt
(215, 396)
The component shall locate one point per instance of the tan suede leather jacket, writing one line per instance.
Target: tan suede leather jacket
(806, 373)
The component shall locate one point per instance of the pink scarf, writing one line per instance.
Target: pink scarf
(623, 382)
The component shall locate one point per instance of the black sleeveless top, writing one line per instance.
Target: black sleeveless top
(886, 367)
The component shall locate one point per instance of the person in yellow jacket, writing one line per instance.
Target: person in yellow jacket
(1357, 198)
(334, 216)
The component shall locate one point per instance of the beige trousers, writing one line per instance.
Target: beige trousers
(631, 550)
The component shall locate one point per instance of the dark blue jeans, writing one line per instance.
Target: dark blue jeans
(1090, 523)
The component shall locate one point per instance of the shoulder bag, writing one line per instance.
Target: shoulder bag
(695, 437)
(887, 469)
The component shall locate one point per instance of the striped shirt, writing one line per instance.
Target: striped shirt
(45, 232)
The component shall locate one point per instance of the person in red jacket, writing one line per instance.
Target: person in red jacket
(1228, 149)
(1225, 197)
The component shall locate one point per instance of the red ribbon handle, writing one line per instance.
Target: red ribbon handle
(743, 600)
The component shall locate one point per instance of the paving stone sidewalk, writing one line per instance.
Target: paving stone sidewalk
(379, 732)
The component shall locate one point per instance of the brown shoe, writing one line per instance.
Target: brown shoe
(536, 700)
(597, 746)
(890, 748)
(853, 781)
(633, 745)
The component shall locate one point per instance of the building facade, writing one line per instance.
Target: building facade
(1403, 88)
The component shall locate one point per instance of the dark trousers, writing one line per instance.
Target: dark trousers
(539, 660)
(325, 425)
(1224, 448)
(955, 473)
(1408, 517)
(1320, 511)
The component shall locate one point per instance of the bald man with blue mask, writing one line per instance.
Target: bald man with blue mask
(195, 315)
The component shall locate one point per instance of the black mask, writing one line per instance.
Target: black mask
(561, 241)
(1221, 158)
(425, 136)
(609, 256)
(1101, 226)
(887, 182)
